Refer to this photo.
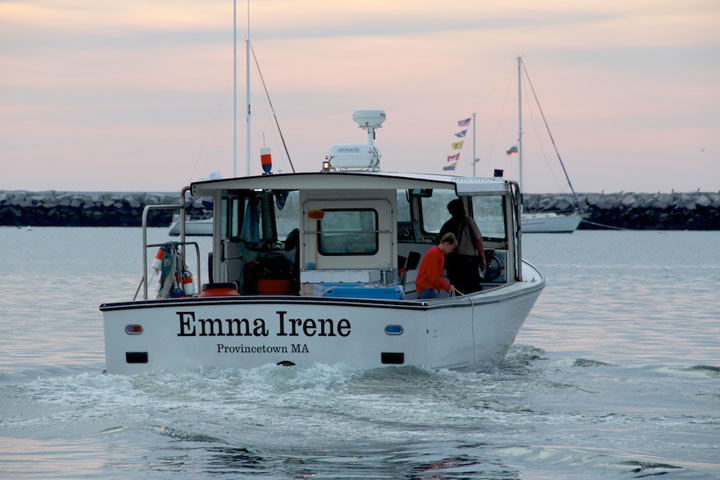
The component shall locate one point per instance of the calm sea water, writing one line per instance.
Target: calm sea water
(615, 375)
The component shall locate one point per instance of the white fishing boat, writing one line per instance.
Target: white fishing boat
(320, 267)
(544, 222)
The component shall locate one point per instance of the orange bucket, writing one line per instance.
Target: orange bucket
(219, 290)
(268, 286)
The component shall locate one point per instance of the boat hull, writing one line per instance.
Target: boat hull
(247, 332)
(193, 227)
(550, 223)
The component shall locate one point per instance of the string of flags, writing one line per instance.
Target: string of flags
(457, 145)
(452, 160)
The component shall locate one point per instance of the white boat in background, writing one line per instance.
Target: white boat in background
(549, 222)
(199, 224)
(194, 226)
(320, 267)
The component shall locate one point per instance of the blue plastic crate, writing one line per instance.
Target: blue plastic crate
(393, 292)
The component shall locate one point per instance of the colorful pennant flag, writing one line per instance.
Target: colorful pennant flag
(511, 150)
(457, 145)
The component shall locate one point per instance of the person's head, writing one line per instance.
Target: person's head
(456, 208)
(448, 243)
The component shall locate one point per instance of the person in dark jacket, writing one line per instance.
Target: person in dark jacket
(462, 265)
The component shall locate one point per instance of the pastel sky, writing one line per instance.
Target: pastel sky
(138, 96)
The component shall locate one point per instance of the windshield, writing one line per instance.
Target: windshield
(488, 211)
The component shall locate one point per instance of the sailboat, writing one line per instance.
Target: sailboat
(543, 222)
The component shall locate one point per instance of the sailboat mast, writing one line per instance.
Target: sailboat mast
(520, 145)
(234, 88)
(552, 140)
(247, 69)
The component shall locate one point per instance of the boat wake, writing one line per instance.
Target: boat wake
(534, 413)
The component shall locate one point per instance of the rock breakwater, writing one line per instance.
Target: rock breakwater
(636, 211)
(87, 209)
(627, 210)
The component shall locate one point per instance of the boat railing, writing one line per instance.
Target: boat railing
(184, 244)
(181, 208)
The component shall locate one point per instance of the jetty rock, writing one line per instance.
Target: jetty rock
(101, 209)
(629, 210)
(635, 210)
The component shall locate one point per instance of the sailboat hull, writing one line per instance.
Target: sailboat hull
(193, 227)
(550, 223)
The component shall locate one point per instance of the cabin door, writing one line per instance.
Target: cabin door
(348, 234)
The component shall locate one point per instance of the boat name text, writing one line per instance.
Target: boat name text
(243, 327)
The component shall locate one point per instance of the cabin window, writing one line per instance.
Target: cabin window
(251, 230)
(286, 213)
(242, 217)
(234, 217)
(403, 206)
(488, 212)
(348, 232)
(230, 217)
(434, 210)
(224, 217)
(405, 225)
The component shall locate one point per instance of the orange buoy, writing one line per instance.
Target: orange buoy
(157, 262)
(187, 283)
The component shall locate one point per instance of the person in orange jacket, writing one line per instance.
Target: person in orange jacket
(430, 279)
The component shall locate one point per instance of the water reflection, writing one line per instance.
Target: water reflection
(51, 458)
(619, 355)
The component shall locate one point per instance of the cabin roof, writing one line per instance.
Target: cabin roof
(354, 180)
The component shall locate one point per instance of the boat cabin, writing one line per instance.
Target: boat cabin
(349, 234)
